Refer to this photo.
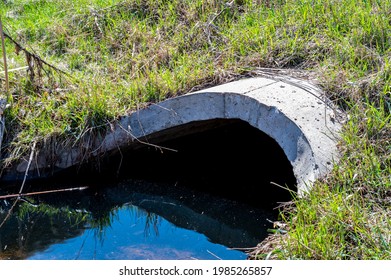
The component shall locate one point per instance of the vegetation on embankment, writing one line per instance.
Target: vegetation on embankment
(121, 55)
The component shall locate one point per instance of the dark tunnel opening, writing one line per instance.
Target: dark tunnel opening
(228, 158)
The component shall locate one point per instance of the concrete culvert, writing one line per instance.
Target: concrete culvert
(294, 124)
(295, 114)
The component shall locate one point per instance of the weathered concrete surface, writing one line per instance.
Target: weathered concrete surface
(294, 113)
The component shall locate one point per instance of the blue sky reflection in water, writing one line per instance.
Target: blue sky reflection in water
(132, 219)
(129, 238)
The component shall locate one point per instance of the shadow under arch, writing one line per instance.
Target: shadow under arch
(295, 130)
(225, 157)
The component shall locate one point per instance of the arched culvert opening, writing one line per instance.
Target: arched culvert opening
(225, 157)
(295, 116)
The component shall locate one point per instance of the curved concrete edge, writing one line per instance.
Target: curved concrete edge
(293, 112)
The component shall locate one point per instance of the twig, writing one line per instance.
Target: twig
(214, 255)
(28, 167)
(42, 192)
(14, 70)
(9, 213)
(4, 57)
(30, 55)
(21, 187)
(146, 143)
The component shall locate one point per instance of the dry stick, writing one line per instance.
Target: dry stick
(42, 192)
(9, 213)
(21, 187)
(214, 255)
(146, 143)
(28, 167)
(2, 119)
(16, 69)
(29, 54)
(4, 58)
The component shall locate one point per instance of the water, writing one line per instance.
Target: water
(128, 238)
(131, 220)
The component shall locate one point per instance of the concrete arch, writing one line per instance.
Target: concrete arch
(291, 112)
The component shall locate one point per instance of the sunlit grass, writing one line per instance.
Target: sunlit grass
(122, 55)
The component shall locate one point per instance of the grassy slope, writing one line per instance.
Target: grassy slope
(123, 54)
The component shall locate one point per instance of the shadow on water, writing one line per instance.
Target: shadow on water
(227, 158)
(41, 224)
(212, 198)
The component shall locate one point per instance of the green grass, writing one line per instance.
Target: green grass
(122, 55)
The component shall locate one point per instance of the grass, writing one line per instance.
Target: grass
(122, 55)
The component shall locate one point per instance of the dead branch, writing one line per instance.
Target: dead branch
(32, 57)
(21, 187)
(19, 195)
(4, 57)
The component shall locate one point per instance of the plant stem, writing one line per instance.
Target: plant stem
(4, 59)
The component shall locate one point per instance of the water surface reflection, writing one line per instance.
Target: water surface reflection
(132, 220)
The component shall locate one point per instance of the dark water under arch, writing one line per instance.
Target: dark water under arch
(212, 195)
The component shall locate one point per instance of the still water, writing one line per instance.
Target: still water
(131, 220)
